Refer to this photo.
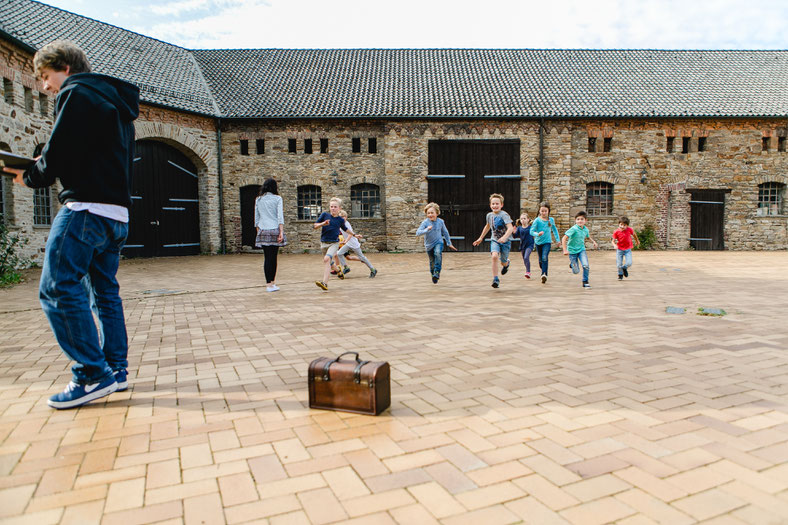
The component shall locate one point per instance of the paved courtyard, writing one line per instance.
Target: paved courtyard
(530, 403)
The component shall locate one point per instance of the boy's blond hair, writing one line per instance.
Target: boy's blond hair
(59, 55)
(343, 213)
(497, 196)
(337, 200)
(434, 206)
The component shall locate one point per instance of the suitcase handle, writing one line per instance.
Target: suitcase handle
(325, 368)
(357, 372)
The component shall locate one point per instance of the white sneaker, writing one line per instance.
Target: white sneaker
(272, 288)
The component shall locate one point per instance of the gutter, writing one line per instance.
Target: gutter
(541, 160)
(220, 183)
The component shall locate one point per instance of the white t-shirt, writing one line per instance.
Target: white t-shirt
(353, 242)
(110, 211)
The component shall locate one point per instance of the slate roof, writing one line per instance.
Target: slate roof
(166, 74)
(420, 83)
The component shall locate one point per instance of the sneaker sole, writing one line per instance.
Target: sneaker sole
(96, 394)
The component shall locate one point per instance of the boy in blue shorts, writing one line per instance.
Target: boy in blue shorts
(574, 245)
(500, 224)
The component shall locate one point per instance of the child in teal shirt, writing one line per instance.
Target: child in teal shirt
(574, 245)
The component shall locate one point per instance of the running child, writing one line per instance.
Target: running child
(435, 233)
(352, 243)
(500, 224)
(574, 245)
(331, 224)
(622, 240)
(523, 232)
(541, 229)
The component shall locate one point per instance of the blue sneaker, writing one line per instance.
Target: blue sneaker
(121, 377)
(76, 395)
(495, 282)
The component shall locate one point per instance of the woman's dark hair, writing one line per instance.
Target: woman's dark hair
(269, 186)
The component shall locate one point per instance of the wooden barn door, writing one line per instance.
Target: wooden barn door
(164, 218)
(707, 219)
(248, 196)
(461, 176)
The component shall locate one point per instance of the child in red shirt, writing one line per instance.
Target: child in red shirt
(622, 240)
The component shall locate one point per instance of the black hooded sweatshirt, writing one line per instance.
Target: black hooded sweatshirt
(91, 149)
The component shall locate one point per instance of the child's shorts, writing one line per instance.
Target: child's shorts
(503, 249)
(329, 248)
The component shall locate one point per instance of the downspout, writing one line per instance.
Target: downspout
(223, 242)
(541, 161)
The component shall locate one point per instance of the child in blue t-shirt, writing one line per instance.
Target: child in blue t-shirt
(435, 234)
(574, 245)
(331, 224)
(541, 229)
(523, 232)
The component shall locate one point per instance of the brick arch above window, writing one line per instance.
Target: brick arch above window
(763, 179)
(199, 153)
(601, 176)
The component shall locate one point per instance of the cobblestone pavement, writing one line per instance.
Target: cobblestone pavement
(530, 403)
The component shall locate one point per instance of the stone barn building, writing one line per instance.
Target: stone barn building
(692, 143)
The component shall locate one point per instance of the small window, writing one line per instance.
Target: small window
(685, 144)
(608, 145)
(244, 147)
(323, 145)
(356, 145)
(43, 104)
(781, 144)
(309, 202)
(770, 198)
(42, 207)
(599, 198)
(308, 146)
(365, 200)
(28, 99)
(260, 145)
(669, 147)
(372, 145)
(592, 144)
(765, 144)
(291, 145)
(701, 143)
(8, 91)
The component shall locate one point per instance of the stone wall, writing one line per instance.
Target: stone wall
(334, 172)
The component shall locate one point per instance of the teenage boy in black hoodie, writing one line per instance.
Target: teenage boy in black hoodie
(91, 151)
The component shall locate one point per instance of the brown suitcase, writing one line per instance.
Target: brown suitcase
(356, 386)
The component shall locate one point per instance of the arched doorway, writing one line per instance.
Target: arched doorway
(248, 196)
(165, 214)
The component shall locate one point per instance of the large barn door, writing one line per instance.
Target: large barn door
(164, 218)
(248, 231)
(707, 219)
(461, 176)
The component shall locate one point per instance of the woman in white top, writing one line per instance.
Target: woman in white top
(270, 225)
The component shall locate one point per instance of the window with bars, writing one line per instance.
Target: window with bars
(599, 198)
(365, 200)
(770, 198)
(310, 199)
(42, 207)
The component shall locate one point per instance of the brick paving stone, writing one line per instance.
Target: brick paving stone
(684, 420)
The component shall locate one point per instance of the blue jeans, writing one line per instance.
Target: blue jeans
(583, 259)
(544, 251)
(436, 258)
(621, 255)
(502, 249)
(527, 258)
(82, 258)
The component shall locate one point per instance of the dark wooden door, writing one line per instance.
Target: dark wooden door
(707, 219)
(164, 218)
(248, 196)
(461, 176)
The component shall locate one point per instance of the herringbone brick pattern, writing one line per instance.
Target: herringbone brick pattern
(531, 403)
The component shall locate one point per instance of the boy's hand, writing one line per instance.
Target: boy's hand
(451, 247)
(566, 252)
(595, 245)
(429, 227)
(477, 242)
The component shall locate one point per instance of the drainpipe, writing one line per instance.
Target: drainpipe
(541, 161)
(223, 242)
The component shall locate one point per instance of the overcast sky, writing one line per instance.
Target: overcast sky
(599, 24)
